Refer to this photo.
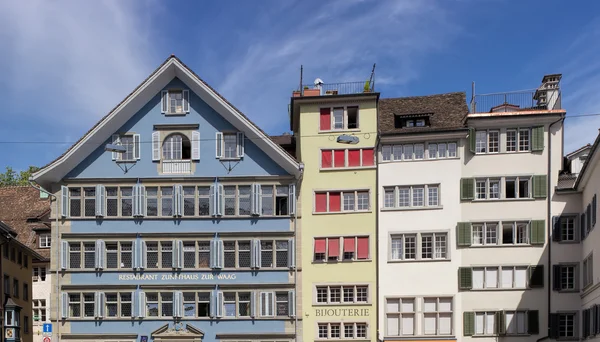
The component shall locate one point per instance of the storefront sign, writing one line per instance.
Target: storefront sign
(341, 312)
(170, 277)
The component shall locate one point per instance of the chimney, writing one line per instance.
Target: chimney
(548, 94)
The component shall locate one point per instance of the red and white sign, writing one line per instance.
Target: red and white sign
(47, 339)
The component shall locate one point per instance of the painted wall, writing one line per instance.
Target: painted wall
(42, 289)
(100, 165)
(23, 274)
(310, 142)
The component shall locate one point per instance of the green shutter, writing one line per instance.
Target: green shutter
(533, 322)
(463, 233)
(539, 186)
(536, 276)
(472, 140)
(537, 138)
(465, 278)
(500, 323)
(537, 232)
(468, 323)
(467, 189)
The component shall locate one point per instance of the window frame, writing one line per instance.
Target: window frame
(417, 314)
(418, 247)
(45, 240)
(397, 201)
(587, 271)
(499, 270)
(346, 159)
(332, 120)
(498, 233)
(340, 257)
(343, 286)
(341, 193)
(341, 332)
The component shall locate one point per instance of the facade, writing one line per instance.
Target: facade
(335, 127)
(26, 212)
(180, 225)
(471, 209)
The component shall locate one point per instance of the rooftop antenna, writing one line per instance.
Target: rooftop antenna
(372, 78)
(301, 89)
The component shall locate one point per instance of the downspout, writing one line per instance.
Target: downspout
(57, 242)
(377, 318)
(549, 224)
(296, 245)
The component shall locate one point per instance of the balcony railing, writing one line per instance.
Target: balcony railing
(336, 89)
(176, 167)
(516, 101)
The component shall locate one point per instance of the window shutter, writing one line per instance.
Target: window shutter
(102, 311)
(465, 278)
(500, 323)
(214, 252)
(102, 260)
(220, 253)
(142, 200)
(212, 208)
(467, 189)
(186, 101)
(539, 186)
(136, 147)
(556, 229)
(594, 210)
(64, 305)
(144, 255)
(553, 324)
(116, 140)
(292, 303)
(219, 304)
(468, 323)
(582, 226)
(97, 254)
(538, 232)
(179, 304)
(253, 304)
(177, 200)
(64, 255)
(141, 311)
(256, 200)
(556, 281)
(291, 253)
(255, 254)
(472, 140)
(220, 200)
(135, 205)
(100, 201)
(536, 276)
(533, 322)
(537, 138)
(213, 302)
(325, 119)
(64, 201)
(135, 247)
(292, 199)
(219, 145)
(240, 144)
(588, 215)
(155, 146)
(179, 254)
(464, 234)
(195, 145)
(96, 304)
(164, 101)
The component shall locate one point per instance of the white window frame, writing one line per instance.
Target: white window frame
(564, 221)
(569, 320)
(587, 268)
(517, 316)
(396, 190)
(482, 239)
(344, 118)
(341, 326)
(172, 147)
(438, 313)
(498, 284)
(45, 240)
(520, 130)
(485, 327)
(395, 238)
(341, 287)
(400, 314)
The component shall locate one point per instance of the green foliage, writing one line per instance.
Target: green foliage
(367, 87)
(11, 177)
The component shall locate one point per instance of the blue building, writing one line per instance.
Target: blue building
(176, 220)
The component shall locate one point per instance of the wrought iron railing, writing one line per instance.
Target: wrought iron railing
(337, 88)
(516, 101)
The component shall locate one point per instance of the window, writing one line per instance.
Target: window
(39, 310)
(189, 200)
(203, 304)
(331, 201)
(588, 270)
(126, 201)
(422, 246)
(75, 202)
(152, 307)
(112, 304)
(414, 196)
(419, 151)
(74, 305)
(266, 304)
(89, 202)
(511, 140)
(515, 233)
(127, 141)
(565, 277)
(347, 158)
(39, 274)
(434, 246)
(74, 255)
(566, 325)
(25, 291)
(175, 101)
(404, 247)
(89, 255)
(166, 299)
(244, 304)
(282, 307)
(126, 255)
(16, 288)
(112, 201)
(344, 330)
(485, 323)
(342, 294)
(351, 248)
(437, 316)
(516, 322)
(44, 240)
(176, 147)
(112, 255)
(400, 316)
(518, 187)
(524, 139)
(7, 284)
(26, 324)
(493, 141)
(89, 304)
(481, 142)
(151, 201)
(339, 118)
(505, 277)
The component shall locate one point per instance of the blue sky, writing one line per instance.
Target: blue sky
(65, 64)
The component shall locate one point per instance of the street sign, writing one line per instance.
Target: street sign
(47, 330)
(47, 339)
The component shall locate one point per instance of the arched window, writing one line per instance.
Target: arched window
(176, 147)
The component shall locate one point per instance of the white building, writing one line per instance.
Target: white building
(464, 215)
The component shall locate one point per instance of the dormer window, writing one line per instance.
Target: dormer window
(175, 101)
(402, 121)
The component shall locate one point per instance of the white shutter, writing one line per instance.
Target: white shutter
(186, 101)
(142, 200)
(116, 140)
(64, 201)
(135, 208)
(212, 208)
(255, 258)
(219, 145)
(155, 146)
(291, 253)
(292, 303)
(174, 254)
(178, 304)
(213, 253)
(220, 253)
(240, 144)
(64, 305)
(102, 260)
(96, 304)
(195, 145)
(213, 302)
(219, 304)
(164, 101)
(100, 201)
(102, 301)
(144, 256)
(220, 200)
(136, 146)
(64, 255)
(136, 256)
(256, 200)
(141, 310)
(177, 200)
(97, 254)
(179, 254)
(253, 304)
(292, 199)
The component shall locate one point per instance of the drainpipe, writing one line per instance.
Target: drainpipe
(57, 242)
(295, 256)
(549, 224)
(377, 261)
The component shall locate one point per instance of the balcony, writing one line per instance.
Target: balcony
(176, 167)
(325, 89)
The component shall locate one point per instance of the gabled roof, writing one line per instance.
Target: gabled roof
(581, 149)
(169, 69)
(593, 157)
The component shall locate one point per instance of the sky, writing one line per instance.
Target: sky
(65, 64)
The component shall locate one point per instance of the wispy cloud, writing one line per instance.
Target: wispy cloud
(337, 41)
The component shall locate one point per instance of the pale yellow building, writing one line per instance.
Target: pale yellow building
(335, 126)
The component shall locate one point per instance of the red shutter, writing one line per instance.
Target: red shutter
(334, 201)
(321, 202)
(325, 118)
(367, 157)
(334, 247)
(326, 156)
(353, 157)
(319, 245)
(363, 248)
(339, 158)
(348, 245)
